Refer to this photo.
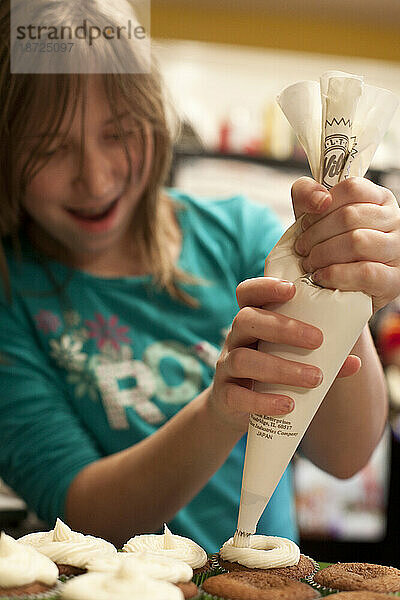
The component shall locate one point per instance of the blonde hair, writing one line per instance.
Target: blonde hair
(141, 94)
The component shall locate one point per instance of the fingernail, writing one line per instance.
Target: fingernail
(316, 277)
(322, 199)
(305, 223)
(299, 246)
(284, 286)
(313, 337)
(285, 406)
(313, 376)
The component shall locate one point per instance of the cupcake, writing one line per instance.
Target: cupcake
(358, 577)
(69, 549)
(169, 544)
(257, 585)
(24, 572)
(277, 555)
(162, 568)
(123, 583)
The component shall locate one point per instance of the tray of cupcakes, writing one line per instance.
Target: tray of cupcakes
(67, 565)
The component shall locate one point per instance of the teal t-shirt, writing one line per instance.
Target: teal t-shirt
(93, 365)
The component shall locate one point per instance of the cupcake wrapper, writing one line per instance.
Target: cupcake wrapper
(324, 591)
(200, 578)
(327, 591)
(214, 561)
(316, 569)
(206, 596)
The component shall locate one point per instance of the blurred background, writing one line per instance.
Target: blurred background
(224, 62)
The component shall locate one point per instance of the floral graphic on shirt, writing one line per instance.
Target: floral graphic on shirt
(72, 318)
(47, 321)
(67, 353)
(79, 335)
(111, 354)
(103, 330)
(85, 380)
(169, 372)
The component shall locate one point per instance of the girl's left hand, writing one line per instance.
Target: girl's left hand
(351, 237)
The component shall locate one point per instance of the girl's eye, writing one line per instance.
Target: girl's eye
(63, 148)
(115, 136)
(54, 151)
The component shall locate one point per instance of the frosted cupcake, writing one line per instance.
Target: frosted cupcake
(162, 568)
(169, 544)
(24, 572)
(277, 555)
(123, 583)
(69, 549)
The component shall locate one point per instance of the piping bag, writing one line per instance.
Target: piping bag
(339, 122)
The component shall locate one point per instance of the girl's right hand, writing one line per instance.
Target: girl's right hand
(240, 363)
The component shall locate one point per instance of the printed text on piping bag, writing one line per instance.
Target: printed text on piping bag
(339, 124)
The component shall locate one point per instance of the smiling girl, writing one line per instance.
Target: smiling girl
(127, 360)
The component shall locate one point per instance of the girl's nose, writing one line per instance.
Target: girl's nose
(97, 176)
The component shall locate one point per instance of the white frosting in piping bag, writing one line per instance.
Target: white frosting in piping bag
(168, 544)
(264, 552)
(21, 565)
(68, 547)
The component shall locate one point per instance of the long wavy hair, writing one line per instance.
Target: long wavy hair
(28, 100)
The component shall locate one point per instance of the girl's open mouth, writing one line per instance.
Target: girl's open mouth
(93, 214)
(94, 219)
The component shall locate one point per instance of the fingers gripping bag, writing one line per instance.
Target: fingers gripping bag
(339, 122)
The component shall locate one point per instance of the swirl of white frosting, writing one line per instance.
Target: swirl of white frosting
(168, 544)
(21, 565)
(122, 584)
(68, 547)
(157, 567)
(265, 552)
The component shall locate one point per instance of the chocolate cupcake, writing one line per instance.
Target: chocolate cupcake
(69, 549)
(275, 555)
(358, 577)
(25, 573)
(257, 585)
(169, 544)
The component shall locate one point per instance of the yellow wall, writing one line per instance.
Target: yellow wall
(179, 21)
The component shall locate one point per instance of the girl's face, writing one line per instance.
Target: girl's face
(83, 217)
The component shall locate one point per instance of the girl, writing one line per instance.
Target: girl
(127, 364)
